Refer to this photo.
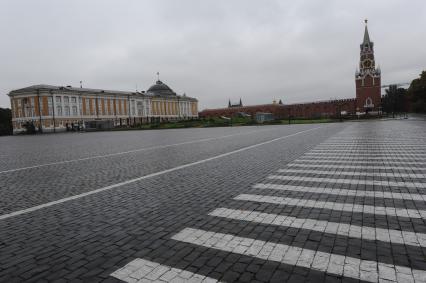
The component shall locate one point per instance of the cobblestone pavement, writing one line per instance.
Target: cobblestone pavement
(312, 203)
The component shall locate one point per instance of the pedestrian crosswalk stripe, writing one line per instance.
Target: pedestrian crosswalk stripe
(142, 270)
(351, 158)
(367, 162)
(350, 181)
(370, 145)
(377, 141)
(342, 229)
(343, 192)
(356, 167)
(337, 206)
(336, 264)
(344, 173)
(370, 155)
(367, 150)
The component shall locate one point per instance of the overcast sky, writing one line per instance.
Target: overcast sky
(213, 50)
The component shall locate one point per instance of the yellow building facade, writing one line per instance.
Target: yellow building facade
(57, 108)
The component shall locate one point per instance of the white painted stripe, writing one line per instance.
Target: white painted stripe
(368, 162)
(142, 270)
(343, 192)
(336, 264)
(63, 200)
(372, 155)
(371, 158)
(349, 207)
(372, 144)
(361, 160)
(379, 139)
(124, 152)
(366, 153)
(355, 167)
(375, 143)
(384, 145)
(351, 181)
(367, 150)
(344, 173)
(335, 228)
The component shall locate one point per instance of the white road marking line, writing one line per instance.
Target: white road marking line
(126, 152)
(337, 264)
(345, 162)
(349, 207)
(342, 192)
(370, 158)
(383, 144)
(142, 270)
(356, 167)
(367, 150)
(369, 155)
(379, 141)
(342, 229)
(350, 181)
(371, 144)
(413, 139)
(63, 200)
(344, 173)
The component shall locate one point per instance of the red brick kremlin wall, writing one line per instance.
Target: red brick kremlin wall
(280, 111)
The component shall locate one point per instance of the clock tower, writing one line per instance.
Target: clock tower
(367, 78)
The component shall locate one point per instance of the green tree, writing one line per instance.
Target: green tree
(5, 121)
(417, 94)
(394, 101)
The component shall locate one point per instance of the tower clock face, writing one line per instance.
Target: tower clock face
(366, 64)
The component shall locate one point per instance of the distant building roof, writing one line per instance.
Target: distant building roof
(160, 88)
(69, 88)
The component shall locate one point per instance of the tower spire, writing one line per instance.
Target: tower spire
(366, 35)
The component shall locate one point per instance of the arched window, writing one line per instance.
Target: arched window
(369, 102)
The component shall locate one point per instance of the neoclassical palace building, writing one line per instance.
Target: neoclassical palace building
(54, 108)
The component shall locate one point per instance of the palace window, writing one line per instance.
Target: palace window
(74, 111)
(99, 106)
(132, 110)
(87, 106)
(110, 107)
(140, 108)
(73, 99)
(40, 105)
(58, 100)
(67, 110)
(80, 104)
(59, 110)
(30, 107)
(147, 108)
(93, 109)
(50, 105)
(66, 100)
